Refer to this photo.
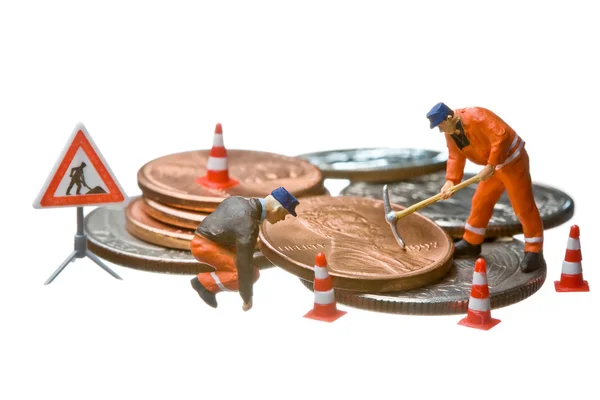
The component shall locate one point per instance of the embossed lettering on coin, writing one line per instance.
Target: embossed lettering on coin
(450, 295)
(361, 250)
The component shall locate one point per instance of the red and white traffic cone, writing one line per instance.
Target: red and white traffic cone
(325, 308)
(217, 171)
(479, 314)
(571, 277)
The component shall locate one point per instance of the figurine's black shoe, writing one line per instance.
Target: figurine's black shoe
(463, 248)
(208, 297)
(532, 261)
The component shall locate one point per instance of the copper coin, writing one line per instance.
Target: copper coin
(141, 225)
(109, 239)
(172, 179)
(507, 284)
(173, 216)
(555, 206)
(377, 164)
(207, 208)
(358, 243)
(146, 228)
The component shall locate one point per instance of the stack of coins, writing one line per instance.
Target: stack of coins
(153, 231)
(412, 175)
(174, 200)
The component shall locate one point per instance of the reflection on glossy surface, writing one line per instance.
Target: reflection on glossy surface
(377, 164)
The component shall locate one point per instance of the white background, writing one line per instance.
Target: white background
(149, 79)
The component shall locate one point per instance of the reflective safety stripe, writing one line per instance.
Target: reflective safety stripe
(571, 268)
(512, 156)
(573, 244)
(538, 239)
(321, 272)
(514, 143)
(216, 164)
(479, 278)
(218, 282)
(479, 231)
(327, 297)
(218, 140)
(479, 304)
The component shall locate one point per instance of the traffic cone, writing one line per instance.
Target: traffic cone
(325, 308)
(571, 277)
(479, 314)
(217, 171)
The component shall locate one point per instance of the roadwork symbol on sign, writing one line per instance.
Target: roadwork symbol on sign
(80, 177)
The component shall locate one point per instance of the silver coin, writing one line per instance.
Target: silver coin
(451, 214)
(376, 164)
(108, 238)
(507, 284)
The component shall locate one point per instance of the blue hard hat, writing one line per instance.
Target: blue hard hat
(286, 199)
(437, 114)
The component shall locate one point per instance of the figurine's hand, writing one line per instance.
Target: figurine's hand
(486, 172)
(445, 192)
(247, 305)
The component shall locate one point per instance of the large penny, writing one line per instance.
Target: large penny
(377, 164)
(508, 285)
(361, 250)
(108, 238)
(555, 206)
(172, 179)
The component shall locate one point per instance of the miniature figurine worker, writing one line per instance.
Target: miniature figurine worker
(479, 135)
(226, 240)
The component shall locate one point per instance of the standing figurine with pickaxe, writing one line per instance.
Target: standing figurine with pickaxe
(480, 136)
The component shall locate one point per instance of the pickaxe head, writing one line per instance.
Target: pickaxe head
(390, 216)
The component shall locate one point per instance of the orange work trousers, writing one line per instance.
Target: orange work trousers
(225, 276)
(516, 180)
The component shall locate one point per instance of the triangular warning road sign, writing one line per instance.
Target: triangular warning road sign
(80, 177)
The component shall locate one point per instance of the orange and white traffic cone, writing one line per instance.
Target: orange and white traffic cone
(571, 277)
(479, 314)
(325, 308)
(217, 170)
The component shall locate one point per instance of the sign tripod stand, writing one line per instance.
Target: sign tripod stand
(81, 251)
(80, 152)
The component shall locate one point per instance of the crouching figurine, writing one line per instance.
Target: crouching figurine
(226, 240)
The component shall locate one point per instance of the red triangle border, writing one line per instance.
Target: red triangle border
(114, 195)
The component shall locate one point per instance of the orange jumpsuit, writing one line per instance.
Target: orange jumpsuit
(226, 240)
(223, 259)
(492, 141)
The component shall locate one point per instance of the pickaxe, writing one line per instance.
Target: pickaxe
(392, 216)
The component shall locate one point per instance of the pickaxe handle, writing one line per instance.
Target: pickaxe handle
(433, 199)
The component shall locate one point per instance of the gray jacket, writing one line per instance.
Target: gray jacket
(235, 223)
